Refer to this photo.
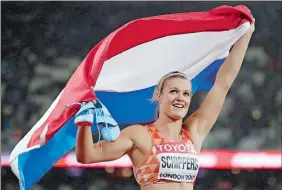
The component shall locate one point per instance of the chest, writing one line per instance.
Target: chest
(175, 161)
(176, 156)
(186, 147)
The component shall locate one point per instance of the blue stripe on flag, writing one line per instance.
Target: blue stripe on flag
(34, 164)
(123, 106)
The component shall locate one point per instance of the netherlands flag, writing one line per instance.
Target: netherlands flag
(122, 71)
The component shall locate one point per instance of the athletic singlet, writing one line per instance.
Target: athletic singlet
(168, 161)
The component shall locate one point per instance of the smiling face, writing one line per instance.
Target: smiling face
(174, 95)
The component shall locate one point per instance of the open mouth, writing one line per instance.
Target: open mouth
(178, 105)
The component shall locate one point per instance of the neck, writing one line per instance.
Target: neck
(171, 128)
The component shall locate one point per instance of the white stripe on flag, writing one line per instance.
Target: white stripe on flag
(43, 135)
(135, 69)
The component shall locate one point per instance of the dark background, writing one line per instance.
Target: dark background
(42, 43)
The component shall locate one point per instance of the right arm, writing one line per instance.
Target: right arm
(87, 152)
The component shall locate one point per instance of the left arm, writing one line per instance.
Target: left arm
(201, 122)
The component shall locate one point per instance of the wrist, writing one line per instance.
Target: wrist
(248, 34)
(245, 38)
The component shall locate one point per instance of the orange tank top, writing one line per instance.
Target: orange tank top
(168, 161)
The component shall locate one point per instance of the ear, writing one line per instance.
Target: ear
(158, 97)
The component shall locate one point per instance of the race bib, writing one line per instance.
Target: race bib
(178, 162)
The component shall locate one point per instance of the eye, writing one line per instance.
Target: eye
(186, 94)
(173, 91)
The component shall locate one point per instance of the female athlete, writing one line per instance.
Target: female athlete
(165, 154)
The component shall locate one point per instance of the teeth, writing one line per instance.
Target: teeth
(178, 105)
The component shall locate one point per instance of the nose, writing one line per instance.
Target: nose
(180, 97)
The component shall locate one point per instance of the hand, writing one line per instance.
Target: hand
(252, 27)
(106, 124)
(85, 116)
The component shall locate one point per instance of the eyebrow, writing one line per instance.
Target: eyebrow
(178, 89)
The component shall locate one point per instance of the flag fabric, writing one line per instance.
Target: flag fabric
(122, 71)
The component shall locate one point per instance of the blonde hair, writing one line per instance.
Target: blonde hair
(159, 87)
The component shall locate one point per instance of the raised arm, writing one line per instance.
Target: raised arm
(201, 122)
(88, 152)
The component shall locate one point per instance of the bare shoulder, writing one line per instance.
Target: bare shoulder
(191, 124)
(135, 129)
(137, 133)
